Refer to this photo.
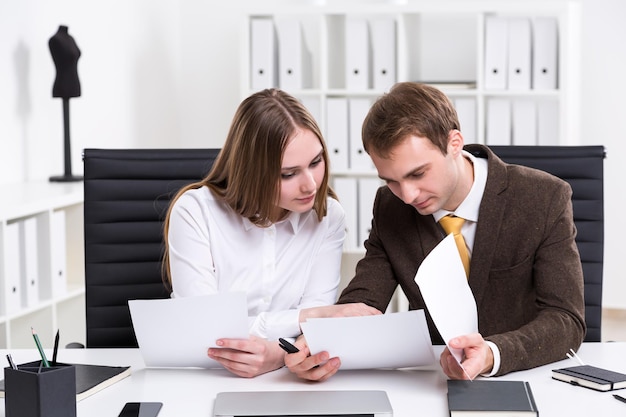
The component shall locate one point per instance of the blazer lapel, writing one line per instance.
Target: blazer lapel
(490, 218)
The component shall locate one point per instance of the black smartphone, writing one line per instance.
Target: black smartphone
(287, 347)
(143, 409)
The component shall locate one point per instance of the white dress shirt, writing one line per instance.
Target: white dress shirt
(288, 266)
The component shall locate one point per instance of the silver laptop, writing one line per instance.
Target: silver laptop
(302, 403)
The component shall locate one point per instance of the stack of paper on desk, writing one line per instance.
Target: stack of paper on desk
(393, 340)
(177, 332)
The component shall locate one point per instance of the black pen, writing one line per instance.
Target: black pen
(619, 398)
(286, 346)
(11, 363)
(56, 348)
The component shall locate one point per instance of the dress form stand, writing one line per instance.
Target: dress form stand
(65, 54)
(67, 152)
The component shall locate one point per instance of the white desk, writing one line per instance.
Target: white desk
(191, 392)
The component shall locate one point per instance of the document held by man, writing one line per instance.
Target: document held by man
(393, 340)
(443, 284)
(177, 332)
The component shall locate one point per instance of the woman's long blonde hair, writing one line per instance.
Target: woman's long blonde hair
(246, 173)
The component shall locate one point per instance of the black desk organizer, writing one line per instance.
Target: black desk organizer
(33, 390)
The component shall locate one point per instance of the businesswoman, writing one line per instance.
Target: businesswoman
(264, 221)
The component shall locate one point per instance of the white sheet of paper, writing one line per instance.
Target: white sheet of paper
(393, 340)
(177, 332)
(443, 284)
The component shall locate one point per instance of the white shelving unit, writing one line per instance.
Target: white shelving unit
(438, 42)
(46, 263)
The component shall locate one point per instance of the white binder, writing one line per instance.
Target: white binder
(58, 253)
(498, 122)
(548, 123)
(337, 133)
(383, 53)
(524, 124)
(357, 110)
(496, 45)
(519, 54)
(294, 58)
(346, 189)
(545, 53)
(367, 192)
(358, 72)
(263, 54)
(466, 112)
(11, 268)
(29, 262)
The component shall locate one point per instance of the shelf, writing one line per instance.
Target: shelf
(446, 44)
(440, 43)
(41, 261)
(31, 198)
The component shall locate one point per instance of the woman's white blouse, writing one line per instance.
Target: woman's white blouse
(291, 265)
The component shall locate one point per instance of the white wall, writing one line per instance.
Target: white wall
(603, 114)
(166, 73)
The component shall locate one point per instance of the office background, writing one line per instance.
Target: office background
(167, 73)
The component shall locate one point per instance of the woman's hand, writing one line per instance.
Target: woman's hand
(318, 367)
(248, 357)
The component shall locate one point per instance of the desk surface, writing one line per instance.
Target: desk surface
(412, 392)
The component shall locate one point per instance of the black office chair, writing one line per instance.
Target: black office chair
(582, 168)
(127, 193)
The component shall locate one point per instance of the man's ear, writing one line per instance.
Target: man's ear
(455, 142)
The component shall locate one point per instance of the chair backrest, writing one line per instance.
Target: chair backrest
(583, 168)
(127, 194)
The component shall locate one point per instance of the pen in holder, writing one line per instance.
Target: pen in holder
(33, 390)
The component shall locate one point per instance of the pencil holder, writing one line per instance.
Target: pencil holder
(32, 390)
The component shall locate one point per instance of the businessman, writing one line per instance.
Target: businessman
(524, 267)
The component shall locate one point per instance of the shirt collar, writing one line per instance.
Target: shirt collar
(469, 207)
(294, 221)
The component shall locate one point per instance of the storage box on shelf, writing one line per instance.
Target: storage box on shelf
(41, 258)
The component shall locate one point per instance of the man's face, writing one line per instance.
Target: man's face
(420, 175)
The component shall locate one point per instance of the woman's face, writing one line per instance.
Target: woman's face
(302, 172)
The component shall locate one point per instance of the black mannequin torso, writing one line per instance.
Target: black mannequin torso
(65, 54)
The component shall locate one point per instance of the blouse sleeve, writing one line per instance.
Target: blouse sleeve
(191, 262)
(322, 281)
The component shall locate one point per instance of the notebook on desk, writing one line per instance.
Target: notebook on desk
(302, 403)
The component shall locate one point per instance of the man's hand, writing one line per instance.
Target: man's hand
(338, 310)
(477, 357)
(248, 357)
(318, 367)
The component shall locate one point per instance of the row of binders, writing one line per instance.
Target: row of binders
(280, 56)
(519, 121)
(522, 122)
(344, 118)
(280, 59)
(356, 195)
(521, 53)
(33, 262)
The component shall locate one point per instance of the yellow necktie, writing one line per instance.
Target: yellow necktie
(453, 224)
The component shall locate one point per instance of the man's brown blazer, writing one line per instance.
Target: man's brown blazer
(525, 271)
